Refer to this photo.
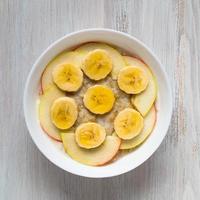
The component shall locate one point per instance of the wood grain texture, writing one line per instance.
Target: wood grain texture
(171, 28)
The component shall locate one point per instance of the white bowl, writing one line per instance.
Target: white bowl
(55, 154)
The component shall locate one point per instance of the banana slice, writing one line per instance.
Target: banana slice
(90, 135)
(64, 112)
(97, 64)
(117, 59)
(132, 80)
(68, 77)
(128, 123)
(99, 99)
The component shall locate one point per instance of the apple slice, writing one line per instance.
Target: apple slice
(117, 59)
(46, 100)
(143, 101)
(65, 57)
(95, 157)
(149, 122)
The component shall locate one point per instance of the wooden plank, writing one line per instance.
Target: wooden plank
(171, 28)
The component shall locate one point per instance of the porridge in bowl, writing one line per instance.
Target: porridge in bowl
(97, 102)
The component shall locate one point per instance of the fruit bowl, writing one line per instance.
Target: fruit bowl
(53, 150)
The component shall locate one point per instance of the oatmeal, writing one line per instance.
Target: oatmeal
(97, 101)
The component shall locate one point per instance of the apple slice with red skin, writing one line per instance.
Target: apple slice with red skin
(117, 59)
(46, 100)
(149, 123)
(143, 101)
(65, 57)
(94, 157)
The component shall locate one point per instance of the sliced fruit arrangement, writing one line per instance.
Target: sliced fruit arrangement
(67, 77)
(99, 99)
(69, 57)
(149, 122)
(46, 101)
(128, 123)
(64, 112)
(66, 98)
(143, 101)
(90, 135)
(117, 59)
(96, 156)
(97, 64)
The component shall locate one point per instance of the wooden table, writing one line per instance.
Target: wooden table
(171, 28)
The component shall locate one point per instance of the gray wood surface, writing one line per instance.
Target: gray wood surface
(170, 27)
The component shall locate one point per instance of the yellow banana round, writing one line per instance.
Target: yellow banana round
(97, 64)
(68, 77)
(90, 135)
(128, 123)
(132, 80)
(64, 112)
(99, 99)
